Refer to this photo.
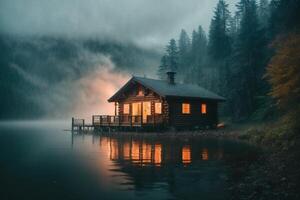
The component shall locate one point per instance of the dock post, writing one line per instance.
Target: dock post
(72, 124)
(83, 124)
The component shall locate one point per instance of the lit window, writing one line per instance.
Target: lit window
(203, 108)
(157, 108)
(136, 109)
(126, 109)
(186, 108)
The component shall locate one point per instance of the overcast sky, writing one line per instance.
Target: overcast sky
(145, 22)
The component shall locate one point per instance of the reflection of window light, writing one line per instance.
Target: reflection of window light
(135, 152)
(146, 153)
(186, 108)
(203, 108)
(157, 154)
(126, 109)
(204, 154)
(126, 151)
(186, 155)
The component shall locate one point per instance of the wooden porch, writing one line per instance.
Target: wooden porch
(115, 121)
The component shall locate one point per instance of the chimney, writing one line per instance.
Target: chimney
(171, 77)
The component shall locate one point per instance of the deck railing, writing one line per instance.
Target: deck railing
(126, 120)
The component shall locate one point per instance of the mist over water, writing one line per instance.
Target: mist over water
(40, 160)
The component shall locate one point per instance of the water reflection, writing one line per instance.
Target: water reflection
(47, 163)
(186, 155)
(148, 152)
(182, 168)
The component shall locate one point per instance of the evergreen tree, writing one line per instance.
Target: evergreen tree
(199, 47)
(163, 67)
(219, 43)
(264, 13)
(184, 48)
(172, 55)
(247, 61)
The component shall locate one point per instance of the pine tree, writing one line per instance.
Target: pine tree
(264, 13)
(199, 46)
(247, 61)
(219, 43)
(163, 67)
(184, 48)
(172, 55)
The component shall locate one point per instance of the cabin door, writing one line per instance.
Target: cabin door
(146, 111)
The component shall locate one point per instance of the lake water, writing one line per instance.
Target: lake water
(38, 160)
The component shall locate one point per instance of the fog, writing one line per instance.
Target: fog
(144, 22)
(63, 58)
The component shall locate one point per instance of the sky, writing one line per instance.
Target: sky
(149, 23)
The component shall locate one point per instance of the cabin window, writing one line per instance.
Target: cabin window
(186, 108)
(203, 108)
(136, 109)
(157, 108)
(126, 108)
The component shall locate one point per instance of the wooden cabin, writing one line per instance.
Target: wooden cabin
(146, 102)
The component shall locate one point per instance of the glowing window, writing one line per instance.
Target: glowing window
(186, 108)
(126, 108)
(203, 108)
(157, 108)
(136, 109)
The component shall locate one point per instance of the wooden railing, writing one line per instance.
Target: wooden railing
(126, 120)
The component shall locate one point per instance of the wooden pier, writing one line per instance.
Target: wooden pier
(108, 122)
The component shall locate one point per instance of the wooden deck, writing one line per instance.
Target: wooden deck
(111, 121)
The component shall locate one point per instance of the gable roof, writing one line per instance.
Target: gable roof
(164, 89)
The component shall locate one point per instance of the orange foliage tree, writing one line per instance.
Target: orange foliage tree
(283, 73)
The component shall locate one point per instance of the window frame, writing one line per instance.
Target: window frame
(189, 108)
(160, 111)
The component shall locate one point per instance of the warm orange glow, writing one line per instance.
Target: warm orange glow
(146, 153)
(203, 108)
(114, 153)
(158, 108)
(105, 144)
(93, 90)
(140, 91)
(135, 151)
(186, 108)
(157, 154)
(204, 154)
(186, 155)
(126, 109)
(126, 151)
(136, 109)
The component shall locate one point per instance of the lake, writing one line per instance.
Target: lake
(39, 160)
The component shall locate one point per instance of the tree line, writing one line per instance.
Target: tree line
(234, 59)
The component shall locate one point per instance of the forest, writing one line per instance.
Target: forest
(252, 57)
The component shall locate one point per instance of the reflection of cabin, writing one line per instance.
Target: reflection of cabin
(153, 103)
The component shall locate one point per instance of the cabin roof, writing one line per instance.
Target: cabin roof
(164, 89)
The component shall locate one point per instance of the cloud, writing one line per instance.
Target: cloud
(145, 22)
(29, 78)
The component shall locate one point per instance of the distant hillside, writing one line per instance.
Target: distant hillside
(35, 70)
